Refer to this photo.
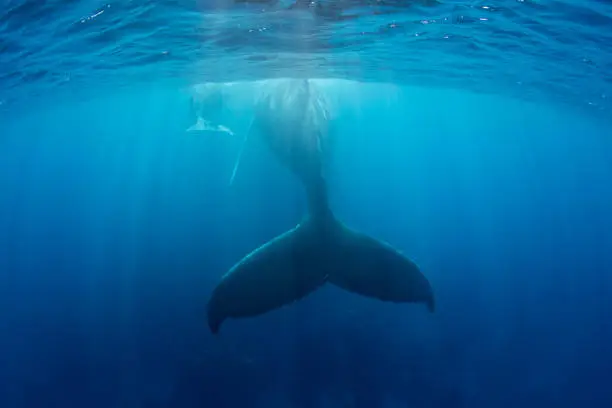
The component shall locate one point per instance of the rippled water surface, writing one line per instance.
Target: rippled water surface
(555, 50)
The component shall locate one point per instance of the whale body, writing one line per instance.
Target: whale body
(292, 118)
(292, 121)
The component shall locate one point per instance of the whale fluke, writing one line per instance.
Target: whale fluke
(279, 272)
(374, 269)
(319, 250)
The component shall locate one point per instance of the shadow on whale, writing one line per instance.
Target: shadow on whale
(320, 249)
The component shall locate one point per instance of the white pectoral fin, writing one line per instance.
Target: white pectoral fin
(203, 125)
(224, 129)
(199, 126)
(242, 148)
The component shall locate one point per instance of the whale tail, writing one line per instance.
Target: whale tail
(363, 264)
(278, 273)
(318, 250)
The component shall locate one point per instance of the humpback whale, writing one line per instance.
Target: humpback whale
(319, 250)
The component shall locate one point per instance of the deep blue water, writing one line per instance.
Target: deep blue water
(487, 159)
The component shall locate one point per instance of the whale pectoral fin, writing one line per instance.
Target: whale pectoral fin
(374, 269)
(203, 125)
(225, 129)
(242, 147)
(199, 126)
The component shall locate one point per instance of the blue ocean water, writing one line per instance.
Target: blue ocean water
(473, 136)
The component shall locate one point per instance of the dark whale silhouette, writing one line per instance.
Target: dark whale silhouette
(317, 251)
